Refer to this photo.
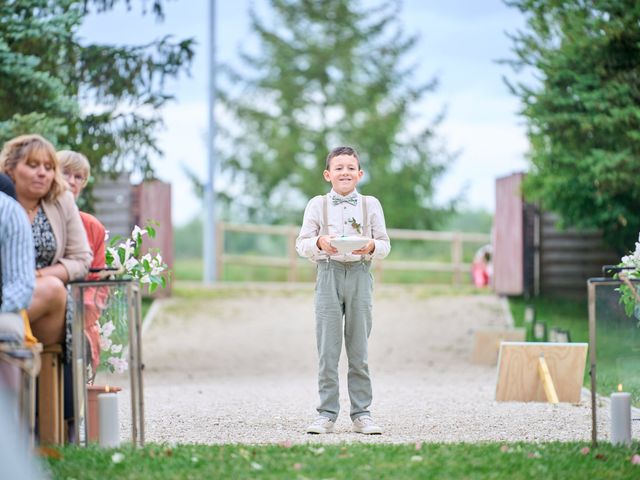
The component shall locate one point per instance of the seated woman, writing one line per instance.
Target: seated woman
(61, 246)
(76, 171)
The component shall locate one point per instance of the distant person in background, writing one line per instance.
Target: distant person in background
(76, 171)
(482, 267)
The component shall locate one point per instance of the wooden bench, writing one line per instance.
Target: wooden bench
(51, 397)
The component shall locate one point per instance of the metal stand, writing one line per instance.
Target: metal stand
(592, 285)
(131, 291)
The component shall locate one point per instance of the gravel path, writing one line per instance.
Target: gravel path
(240, 367)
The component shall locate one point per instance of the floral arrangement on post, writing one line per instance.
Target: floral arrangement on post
(628, 292)
(129, 262)
(126, 258)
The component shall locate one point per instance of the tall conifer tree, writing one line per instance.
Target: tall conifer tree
(583, 111)
(102, 100)
(329, 73)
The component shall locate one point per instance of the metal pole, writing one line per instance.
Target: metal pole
(209, 241)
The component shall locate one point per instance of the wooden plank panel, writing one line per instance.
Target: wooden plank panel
(153, 201)
(509, 237)
(562, 243)
(569, 257)
(552, 284)
(569, 270)
(518, 379)
(592, 257)
(113, 205)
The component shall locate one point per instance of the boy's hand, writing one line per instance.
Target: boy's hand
(367, 249)
(324, 243)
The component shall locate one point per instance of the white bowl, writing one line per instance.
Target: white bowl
(346, 245)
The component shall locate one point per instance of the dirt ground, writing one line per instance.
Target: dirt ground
(240, 367)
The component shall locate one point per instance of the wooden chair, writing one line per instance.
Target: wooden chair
(50, 396)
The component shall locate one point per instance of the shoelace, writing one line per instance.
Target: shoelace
(321, 420)
(366, 420)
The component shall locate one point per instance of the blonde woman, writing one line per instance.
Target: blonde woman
(76, 171)
(61, 246)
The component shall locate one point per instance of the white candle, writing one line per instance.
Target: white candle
(529, 314)
(108, 420)
(621, 418)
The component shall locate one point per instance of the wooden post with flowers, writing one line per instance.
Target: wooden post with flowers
(151, 200)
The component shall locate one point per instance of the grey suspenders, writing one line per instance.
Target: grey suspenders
(324, 229)
(365, 216)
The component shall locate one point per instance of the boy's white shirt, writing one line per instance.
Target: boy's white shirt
(339, 224)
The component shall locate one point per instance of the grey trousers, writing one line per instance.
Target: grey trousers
(343, 303)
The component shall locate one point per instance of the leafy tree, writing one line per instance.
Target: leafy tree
(583, 111)
(328, 73)
(102, 100)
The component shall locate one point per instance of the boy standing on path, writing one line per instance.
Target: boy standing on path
(344, 287)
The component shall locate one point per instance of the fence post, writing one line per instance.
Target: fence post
(293, 255)
(377, 269)
(219, 251)
(456, 258)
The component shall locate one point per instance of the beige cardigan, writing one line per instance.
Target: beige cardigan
(72, 246)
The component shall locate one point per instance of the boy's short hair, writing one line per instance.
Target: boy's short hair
(342, 151)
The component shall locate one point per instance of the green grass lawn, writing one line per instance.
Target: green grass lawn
(571, 460)
(146, 305)
(568, 314)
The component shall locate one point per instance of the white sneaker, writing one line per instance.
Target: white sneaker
(365, 424)
(321, 425)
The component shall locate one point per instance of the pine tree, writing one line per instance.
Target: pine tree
(101, 100)
(329, 73)
(583, 111)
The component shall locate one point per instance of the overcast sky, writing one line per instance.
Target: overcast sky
(460, 41)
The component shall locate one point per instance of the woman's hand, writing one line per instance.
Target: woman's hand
(56, 270)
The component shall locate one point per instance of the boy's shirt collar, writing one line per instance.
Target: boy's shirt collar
(352, 194)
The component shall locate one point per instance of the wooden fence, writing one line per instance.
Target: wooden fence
(533, 256)
(569, 257)
(293, 262)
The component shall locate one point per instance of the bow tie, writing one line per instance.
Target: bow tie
(352, 199)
